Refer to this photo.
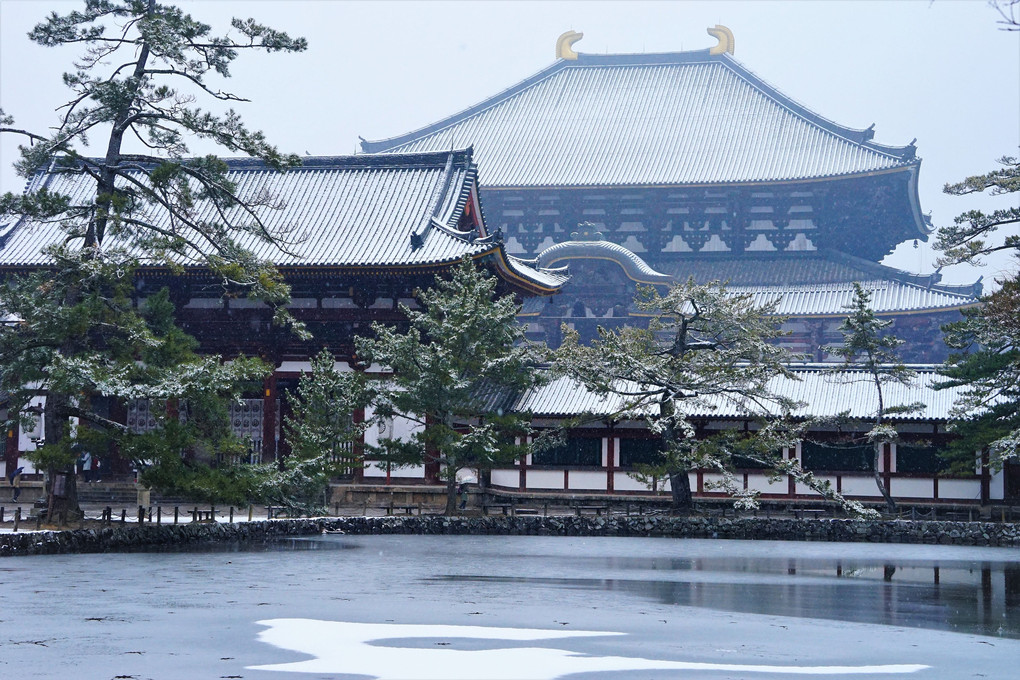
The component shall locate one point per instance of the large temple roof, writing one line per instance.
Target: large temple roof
(337, 212)
(686, 118)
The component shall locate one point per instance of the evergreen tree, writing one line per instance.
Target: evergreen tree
(704, 347)
(134, 88)
(322, 433)
(986, 343)
(452, 371)
(868, 347)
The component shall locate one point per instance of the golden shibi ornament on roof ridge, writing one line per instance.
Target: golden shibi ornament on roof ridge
(565, 43)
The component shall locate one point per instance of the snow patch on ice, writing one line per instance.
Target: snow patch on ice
(375, 650)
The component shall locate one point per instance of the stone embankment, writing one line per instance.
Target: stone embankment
(125, 538)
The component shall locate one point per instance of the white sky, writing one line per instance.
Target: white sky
(939, 71)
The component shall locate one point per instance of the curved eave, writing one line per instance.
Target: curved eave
(522, 276)
(906, 167)
(841, 314)
(915, 202)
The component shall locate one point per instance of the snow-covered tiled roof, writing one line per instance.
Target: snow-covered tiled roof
(833, 299)
(824, 393)
(337, 212)
(346, 211)
(650, 119)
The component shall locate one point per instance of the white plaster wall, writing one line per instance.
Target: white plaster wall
(545, 479)
(372, 470)
(859, 486)
(509, 478)
(911, 487)
(398, 428)
(306, 367)
(27, 438)
(295, 367)
(997, 486)
(338, 303)
(583, 480)
(803, 489)
(960, 489)
(605, 450)
(624, 482)
(761, 483)
(713, 478)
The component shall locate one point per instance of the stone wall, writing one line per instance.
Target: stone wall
(130, 537)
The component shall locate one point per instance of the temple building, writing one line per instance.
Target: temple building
(629, 169)
(362, 232)
(653, 168)
(599, 453)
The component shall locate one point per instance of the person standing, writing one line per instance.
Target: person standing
(15, 480)
(86, 466)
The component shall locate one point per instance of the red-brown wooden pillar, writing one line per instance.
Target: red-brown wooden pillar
(11, 447)
(269, 419)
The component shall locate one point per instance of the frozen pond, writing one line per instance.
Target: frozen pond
(515, 607)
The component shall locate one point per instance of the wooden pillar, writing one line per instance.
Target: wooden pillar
(522, 474)
(986, 478)
(269, 419)
(611, 463)
(359, 448)
(11, 452)
(791, 484)
(887, 466)
(431, 459)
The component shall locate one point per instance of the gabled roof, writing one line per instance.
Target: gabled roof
(390, 210)
(669, 119)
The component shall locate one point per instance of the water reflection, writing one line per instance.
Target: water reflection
(966, 597)
(273, 546)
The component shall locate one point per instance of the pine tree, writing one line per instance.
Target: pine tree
(322, 433)
(704, 347)
(133, 88)
(452, 371)
(986, 343)
(869, 347)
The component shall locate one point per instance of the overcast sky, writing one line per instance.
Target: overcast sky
(939, 71)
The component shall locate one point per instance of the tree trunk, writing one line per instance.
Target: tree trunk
(890, 504)
(680, 486)
(451, 496)
(61, 486)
